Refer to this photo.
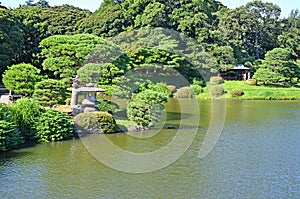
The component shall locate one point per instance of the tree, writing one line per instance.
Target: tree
(154, 15)
(63, 55)
(167, 49)
(106, 23)
(224, 57)
(50, 92)
(192, 19)
(61, 20)
(21, 78)
(145, 108)
(252, 29)
(31, 20)
(11, 39)
(40, 3)
(279, 61)
(290, 37)
(29, 2)
(105, 65)
(102, 74)
(267, 76)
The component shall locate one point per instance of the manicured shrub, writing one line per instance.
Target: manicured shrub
(251, 81)
(216, 80)
(21, 78)
(107, 106)
(217, 91)
(236, 93)
(50, 92)
(25, 113)
(96, 122)
(145, 108)
(184, 92)
(53, 125)
(10, 137)
(197, 89)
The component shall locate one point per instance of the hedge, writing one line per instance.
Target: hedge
(96, 122)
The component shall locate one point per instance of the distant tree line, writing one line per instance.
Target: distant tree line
(252, 34)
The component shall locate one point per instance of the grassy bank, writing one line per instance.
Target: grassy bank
(256, 92)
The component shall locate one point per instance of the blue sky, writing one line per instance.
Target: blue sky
(286, 5)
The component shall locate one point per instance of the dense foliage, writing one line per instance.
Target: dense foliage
(63, 55)
(10, 137)
(26, 120)
(105, 105)
(150, 33)
(5, 112)
(146, 107)
(50, 92)
(21, 78)
(11, 39)
(25, 112)
(96, 122)
(53, 125)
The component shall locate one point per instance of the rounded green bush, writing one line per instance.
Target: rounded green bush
(53, 125)
(251, 81)
(96, 122)
(217, 91)
(184, 92)
(236, 93)
(10, 137)
(216, 80)
(146, 107)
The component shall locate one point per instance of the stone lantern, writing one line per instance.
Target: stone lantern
(90, 97)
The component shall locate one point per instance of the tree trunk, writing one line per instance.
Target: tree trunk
(256, 45)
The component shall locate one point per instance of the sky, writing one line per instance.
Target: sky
(92, 5)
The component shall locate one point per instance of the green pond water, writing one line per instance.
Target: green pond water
(256, 156)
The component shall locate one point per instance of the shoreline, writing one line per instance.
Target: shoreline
(254, 98)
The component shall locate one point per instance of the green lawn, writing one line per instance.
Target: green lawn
(257, 92)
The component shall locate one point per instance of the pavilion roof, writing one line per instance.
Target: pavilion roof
(90, 89)
(240, 67)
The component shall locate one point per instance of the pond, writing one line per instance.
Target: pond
(256, 156)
